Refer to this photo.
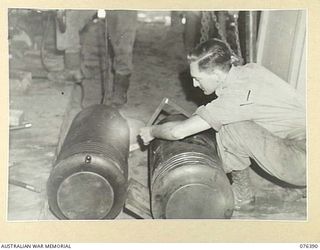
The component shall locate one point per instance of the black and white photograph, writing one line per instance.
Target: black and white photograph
(122, 114)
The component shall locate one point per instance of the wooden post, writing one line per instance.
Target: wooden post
(251, 36)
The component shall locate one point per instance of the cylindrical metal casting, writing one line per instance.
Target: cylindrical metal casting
(187, 180)
(89, 178)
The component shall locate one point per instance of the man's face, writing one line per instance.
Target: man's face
(207, 82)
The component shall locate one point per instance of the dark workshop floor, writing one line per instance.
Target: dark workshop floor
(50, 106)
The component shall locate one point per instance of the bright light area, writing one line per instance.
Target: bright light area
(101, 13)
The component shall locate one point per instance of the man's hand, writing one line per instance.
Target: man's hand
(175, 130)
(167, 131)
(146, 136)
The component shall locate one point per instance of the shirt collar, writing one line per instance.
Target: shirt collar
(231, 75)
(229, 78)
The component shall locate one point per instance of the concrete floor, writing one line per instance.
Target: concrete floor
(159, 66)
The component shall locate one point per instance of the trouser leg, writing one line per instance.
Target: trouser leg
(68, 40)
(75, 22)
(122, 27)
(284, 159)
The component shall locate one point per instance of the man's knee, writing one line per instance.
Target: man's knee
(239, 133)
(274, 155)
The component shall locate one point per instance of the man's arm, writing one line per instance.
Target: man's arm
(174, 130)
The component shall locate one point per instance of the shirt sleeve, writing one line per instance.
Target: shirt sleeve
(230, 107)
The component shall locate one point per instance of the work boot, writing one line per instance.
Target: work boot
(72, 61)
(72, 71)
(120, 88)
(242, 190)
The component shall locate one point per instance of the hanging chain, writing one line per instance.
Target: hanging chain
(218, 27)
(206, 18)
(236, 30)
(222, 37)
(205, 26)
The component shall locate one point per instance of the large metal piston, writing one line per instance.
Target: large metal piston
(89, 178)
(187, 180)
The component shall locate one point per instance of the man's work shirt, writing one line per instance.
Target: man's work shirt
(252, 92)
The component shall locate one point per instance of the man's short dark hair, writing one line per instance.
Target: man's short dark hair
(211, 54)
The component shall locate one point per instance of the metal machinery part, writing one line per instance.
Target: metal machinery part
(187, 180)
(89, 178)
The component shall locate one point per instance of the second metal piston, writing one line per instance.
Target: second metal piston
(187, 180)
